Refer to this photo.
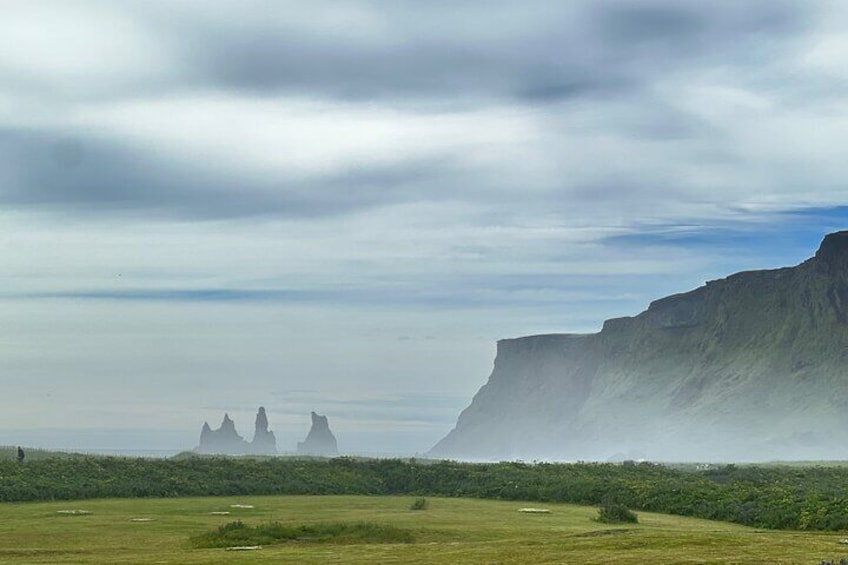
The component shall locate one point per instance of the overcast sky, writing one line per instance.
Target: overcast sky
(341, 206)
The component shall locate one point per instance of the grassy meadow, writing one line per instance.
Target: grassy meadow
(449, 530)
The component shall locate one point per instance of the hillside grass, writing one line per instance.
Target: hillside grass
(780, 497)
(10, 453)
(451, 530)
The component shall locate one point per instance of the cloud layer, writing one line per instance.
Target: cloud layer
(394, 170)
(282, 110)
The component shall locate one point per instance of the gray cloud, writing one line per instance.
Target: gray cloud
(90, 174)
(683, 28)
(550, 51)
(85, 174)
(555, 59)
(438, 53)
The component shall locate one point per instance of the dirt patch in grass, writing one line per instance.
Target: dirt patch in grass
(599, 533)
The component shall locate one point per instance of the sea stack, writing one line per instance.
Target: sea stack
(226, 440)
(264, 442)
(320, 440)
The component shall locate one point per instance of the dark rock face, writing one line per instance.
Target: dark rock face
(833, 252)
(679, 311)
(226, 441)
(320, 440)
(750, 367)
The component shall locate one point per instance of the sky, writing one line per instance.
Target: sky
(341, 206)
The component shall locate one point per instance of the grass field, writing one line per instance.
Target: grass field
(448, 531)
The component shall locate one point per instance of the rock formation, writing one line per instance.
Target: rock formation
(226, 441)
(750, 367)
(264, 442)
(320, 440)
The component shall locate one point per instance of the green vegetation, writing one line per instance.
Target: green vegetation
(614, 513)
(10, 453)
(451, 531)
(751, 365)
(776, 497)
(419, 504)
(240, 534)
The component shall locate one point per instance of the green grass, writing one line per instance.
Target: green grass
(779, 497)
(452, 531)
(10, 453)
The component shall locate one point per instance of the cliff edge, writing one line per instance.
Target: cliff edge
(749, 367)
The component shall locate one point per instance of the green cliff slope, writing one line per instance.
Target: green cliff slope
(750, 367)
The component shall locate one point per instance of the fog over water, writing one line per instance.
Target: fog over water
(341, 207)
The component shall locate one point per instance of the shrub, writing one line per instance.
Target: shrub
(614, 513)
(240, 534)
(419, 504)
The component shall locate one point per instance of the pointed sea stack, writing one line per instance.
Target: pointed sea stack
(320, 440)
(264, 442)
(226, 441)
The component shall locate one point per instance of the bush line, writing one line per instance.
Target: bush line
(809, 498)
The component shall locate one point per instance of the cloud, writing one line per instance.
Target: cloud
(92, 174)
(548, 51)
(278, 190)
(56, 51)
(273, 111)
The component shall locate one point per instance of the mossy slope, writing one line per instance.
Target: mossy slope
(750, 367)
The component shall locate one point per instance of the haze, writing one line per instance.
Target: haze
(341, 206)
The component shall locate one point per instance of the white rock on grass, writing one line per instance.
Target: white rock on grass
(141, 519)
(220, 513)
(73, 512)
(535, 510)
(241, 506)
(244, 548)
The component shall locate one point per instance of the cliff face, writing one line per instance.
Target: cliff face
(750, 367)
